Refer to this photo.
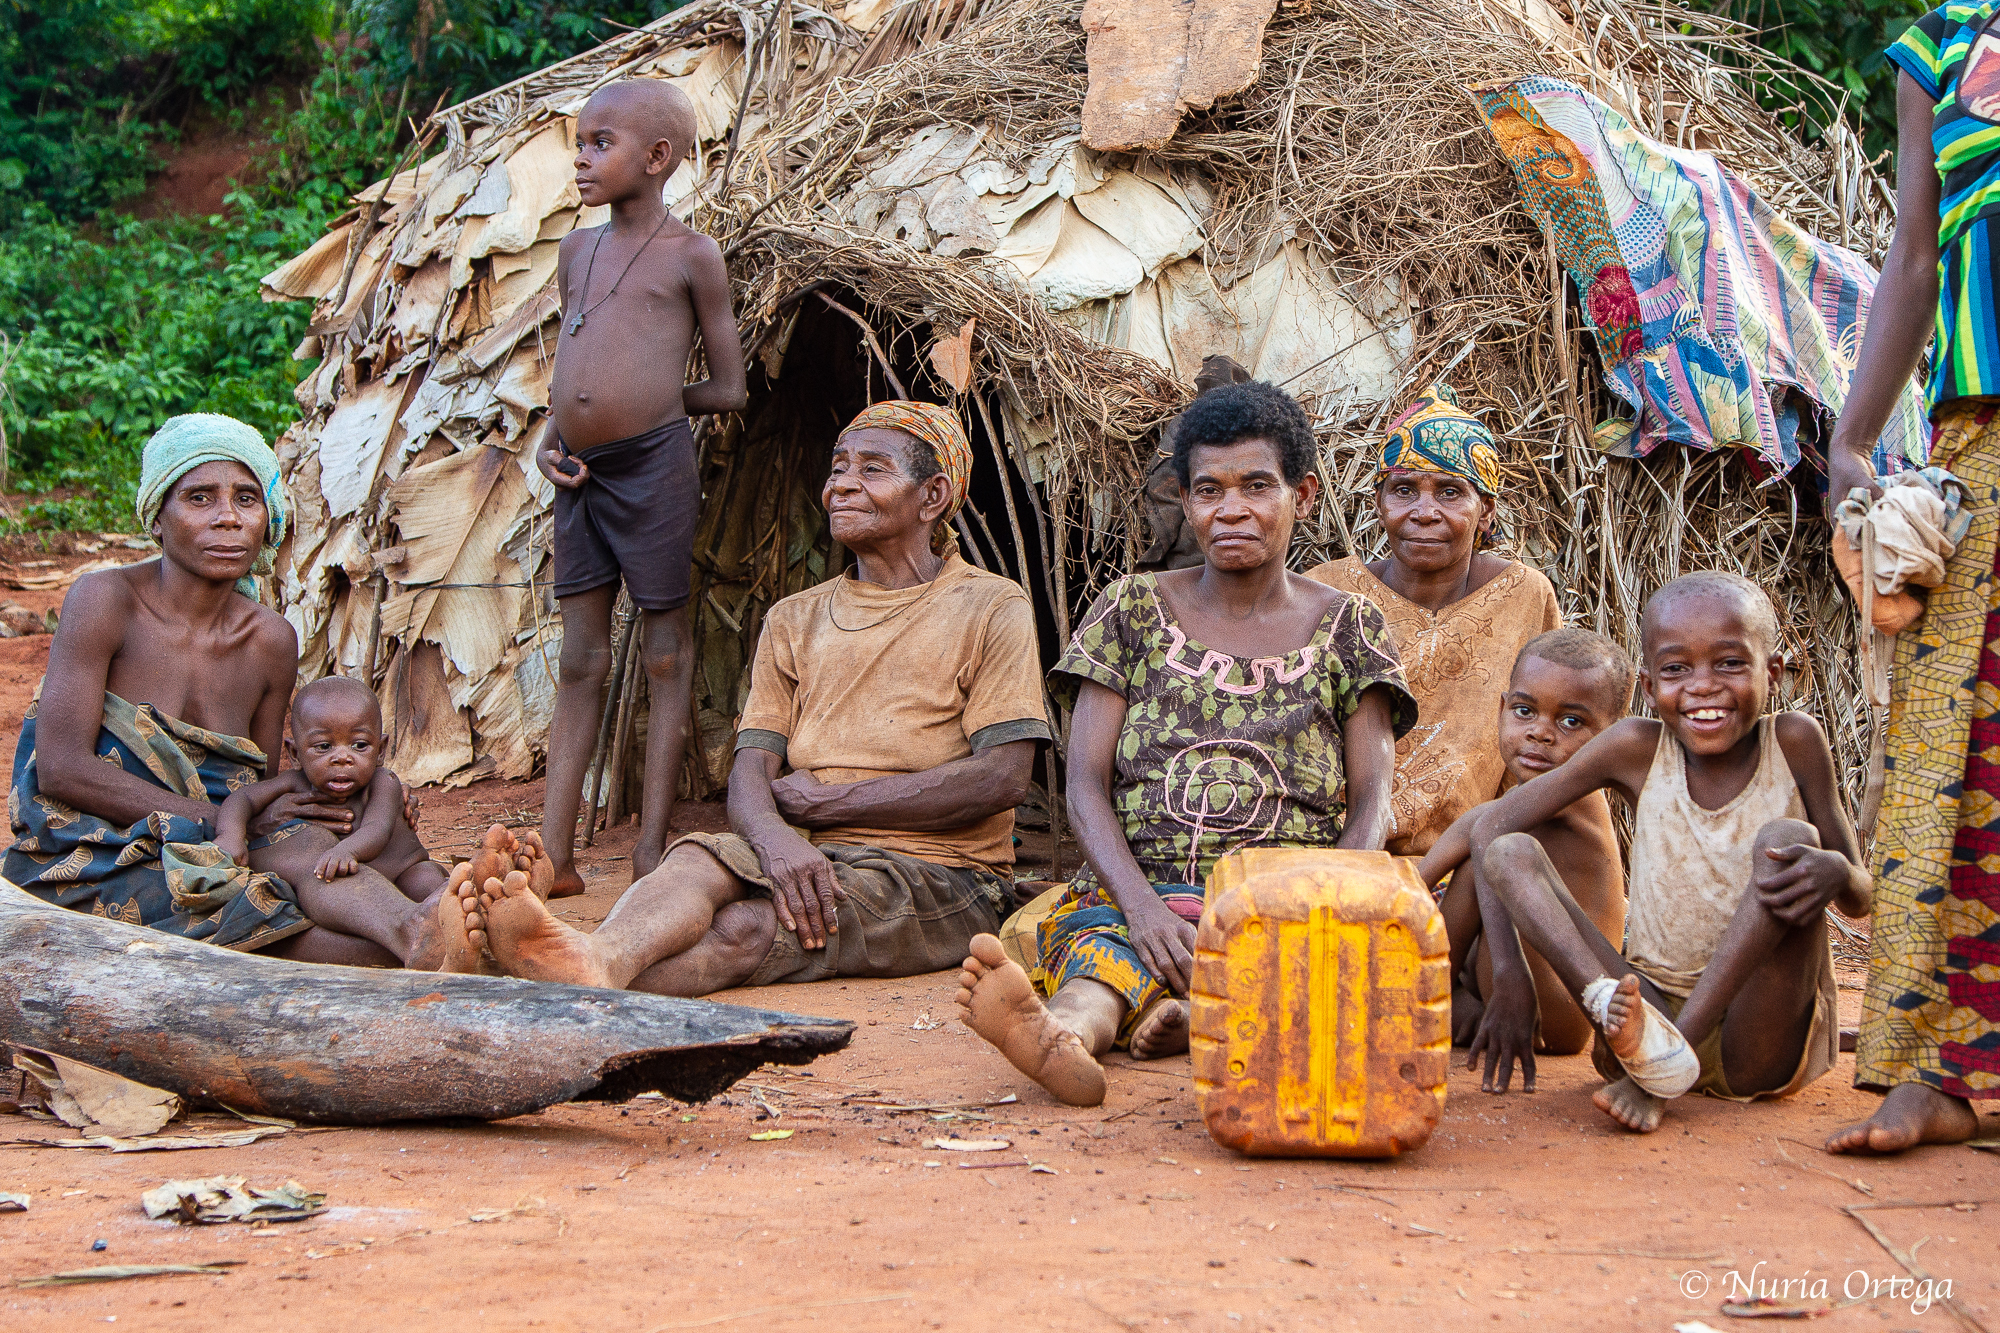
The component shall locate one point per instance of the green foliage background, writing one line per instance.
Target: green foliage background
(110, 324)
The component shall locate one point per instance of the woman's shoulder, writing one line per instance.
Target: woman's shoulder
(1349, 573)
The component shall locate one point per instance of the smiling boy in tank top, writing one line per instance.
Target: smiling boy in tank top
(1725, 984)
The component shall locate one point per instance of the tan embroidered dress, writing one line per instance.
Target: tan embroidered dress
(1457, 662)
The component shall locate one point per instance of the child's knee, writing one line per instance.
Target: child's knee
(1786, 832)
(1509, 855)
(583, 663)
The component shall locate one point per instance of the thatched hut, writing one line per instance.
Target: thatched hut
(1047, 221)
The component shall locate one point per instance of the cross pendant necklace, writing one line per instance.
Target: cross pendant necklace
(576, 324)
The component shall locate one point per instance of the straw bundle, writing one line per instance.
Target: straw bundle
(908, 207)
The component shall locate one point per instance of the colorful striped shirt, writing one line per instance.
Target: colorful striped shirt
(1957, 63)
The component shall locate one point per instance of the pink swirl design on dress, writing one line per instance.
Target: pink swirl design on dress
(1223, 788)
(1262, 669)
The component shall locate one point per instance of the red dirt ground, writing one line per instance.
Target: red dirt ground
(1522, 1210)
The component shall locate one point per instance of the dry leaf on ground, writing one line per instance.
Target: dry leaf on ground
(770, 1134)
(969, 1145)
(227, 1199)
(116, 1272)
(96, 1100)
(231, 1138)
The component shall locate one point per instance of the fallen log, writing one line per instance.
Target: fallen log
(359, 1046)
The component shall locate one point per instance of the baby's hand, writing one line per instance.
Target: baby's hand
(336, 864)
(239, 852)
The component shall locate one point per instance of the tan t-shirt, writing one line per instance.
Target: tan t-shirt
(1458, 662)
(855, 681)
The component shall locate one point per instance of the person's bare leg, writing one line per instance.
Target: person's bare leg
(1460, 908)
(723, 959)
(1056, 1044)
(665, 914)
(1761, 981)
(363, 904)
(422, 880)
(586, 660)
(666, 648)
(320, 945)
(1912, 1114)
(1551, 922)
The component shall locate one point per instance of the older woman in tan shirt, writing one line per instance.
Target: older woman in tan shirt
(1458, 614)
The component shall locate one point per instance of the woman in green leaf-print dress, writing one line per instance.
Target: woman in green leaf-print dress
(1229, 705)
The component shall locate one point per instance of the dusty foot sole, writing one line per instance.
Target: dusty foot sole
(1161, 1031)
(461, 923)
(531, 859)
(527, 942)
(1000, 1004)
(1630, 1105)
(1912, 1114)
(1626, 1026)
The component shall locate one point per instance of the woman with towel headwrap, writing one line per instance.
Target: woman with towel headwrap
(1459, 614)
(166, 689)
(902, 703)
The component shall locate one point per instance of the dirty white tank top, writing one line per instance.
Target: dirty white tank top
(1690, 866)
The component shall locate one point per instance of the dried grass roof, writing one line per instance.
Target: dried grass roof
(1343, 226)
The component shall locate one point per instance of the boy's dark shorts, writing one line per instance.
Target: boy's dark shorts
(635, 517)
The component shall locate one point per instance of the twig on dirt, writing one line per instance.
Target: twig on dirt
(1856, 1183)
(1133, 1110)
(1358, 1193)
(1908, 1258)
(885, 1105)
(1712, 1257)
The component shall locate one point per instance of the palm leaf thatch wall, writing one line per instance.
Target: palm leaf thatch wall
(911, 204)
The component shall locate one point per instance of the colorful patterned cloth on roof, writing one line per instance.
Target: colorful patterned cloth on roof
(1723, 324)
(163, 871)
(939, 428)
(1959, 70)
(1435, 434)
(1219, 753)
(1931, 1013)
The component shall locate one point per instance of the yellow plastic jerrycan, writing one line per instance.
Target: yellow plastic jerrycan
(1321, 1015)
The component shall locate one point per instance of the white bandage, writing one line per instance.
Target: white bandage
(1664, 1065)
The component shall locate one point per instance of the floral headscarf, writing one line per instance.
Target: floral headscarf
(939, 428)
(1436, 435)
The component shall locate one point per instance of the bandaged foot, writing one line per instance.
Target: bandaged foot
(1654, 1053)
(999, 1003)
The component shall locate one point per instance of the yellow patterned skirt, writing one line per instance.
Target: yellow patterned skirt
(1932, 1012)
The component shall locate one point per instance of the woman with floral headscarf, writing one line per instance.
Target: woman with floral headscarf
(1459, 614)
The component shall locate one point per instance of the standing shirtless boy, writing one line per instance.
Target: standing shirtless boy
(1739, 844)
(1567, 686)
(620, 450)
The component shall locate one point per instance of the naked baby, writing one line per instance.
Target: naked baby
(337, 740)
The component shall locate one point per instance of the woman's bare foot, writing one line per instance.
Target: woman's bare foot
(1000, 1004)
(1911, 1114)
(460, 923)
(527, 942)
(1162, 1030)
(1630, 1105)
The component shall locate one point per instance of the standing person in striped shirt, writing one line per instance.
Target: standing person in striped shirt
(1930, 1034)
